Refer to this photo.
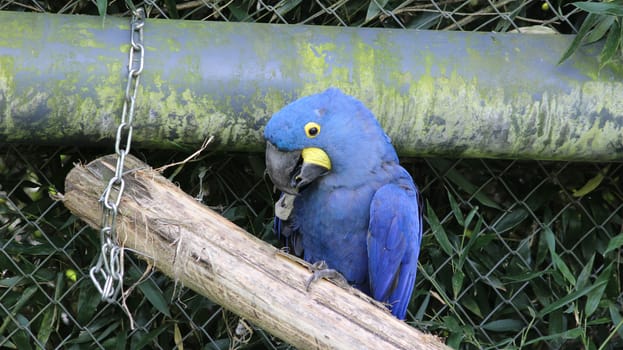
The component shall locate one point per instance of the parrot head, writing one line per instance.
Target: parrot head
(319, 135)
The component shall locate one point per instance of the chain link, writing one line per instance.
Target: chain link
(107, 274)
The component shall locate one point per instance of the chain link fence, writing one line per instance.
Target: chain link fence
(516, 254)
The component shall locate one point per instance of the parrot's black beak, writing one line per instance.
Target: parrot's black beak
(290, 171)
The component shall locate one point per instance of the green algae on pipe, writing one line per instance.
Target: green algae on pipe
(455, 94)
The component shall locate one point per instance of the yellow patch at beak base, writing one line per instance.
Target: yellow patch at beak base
(316, 156)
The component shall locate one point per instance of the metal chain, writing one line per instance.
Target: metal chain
(107, 274)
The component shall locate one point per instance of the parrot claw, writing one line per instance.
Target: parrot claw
(322, 271)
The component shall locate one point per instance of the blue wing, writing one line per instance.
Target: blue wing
(394, 237)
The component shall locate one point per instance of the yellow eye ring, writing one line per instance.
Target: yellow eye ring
(312, 129)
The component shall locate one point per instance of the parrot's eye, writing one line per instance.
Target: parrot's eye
(312, 129)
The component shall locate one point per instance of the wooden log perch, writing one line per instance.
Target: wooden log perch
(205, 252)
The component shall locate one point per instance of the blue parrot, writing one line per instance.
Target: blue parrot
(351, 204)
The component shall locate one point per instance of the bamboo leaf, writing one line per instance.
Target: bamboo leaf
(593, 298)
(503, 325)
(285, 7)
(455, 209)
(473, 238)
(568, 298)
(559, 264)
(101, 7)
(601, 8)
(21, 339)
(172, 8)
(573, 333)
(419, 315)
(600, 29)
(455, 177)
(155, 297)
(588, 23)
(438, 231)
(615, 243)
(614, 40)
(50, 315)
(177, 337)
(375, 8)
(130, 5)
(121, 340)
(468, 302)
(88, 299)
(592, 184)
(585, 274)
(550, 240)
(457, 282)
(616, 317)
(511, 220)
(563, 269)
(470, 217)
(141, 339)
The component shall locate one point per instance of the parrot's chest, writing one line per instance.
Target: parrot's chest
(333, 225)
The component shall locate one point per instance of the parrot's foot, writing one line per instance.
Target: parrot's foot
(322, 271)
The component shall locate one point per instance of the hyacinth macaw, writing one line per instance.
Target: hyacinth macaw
(351, 204)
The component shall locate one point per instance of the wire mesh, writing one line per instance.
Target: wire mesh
(516, 254)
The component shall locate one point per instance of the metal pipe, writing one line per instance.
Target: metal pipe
(459, 94)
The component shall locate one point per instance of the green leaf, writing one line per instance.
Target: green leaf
(457, 282)
(568, 298)
(455, 339)
(616, 318)
(596, 180)
(594, 297)
(24, 298)
(141, 339)
(11, 282)
(601, 8)
(614, 40)
(469, 303)
(287, 6)
(88, 299)
(494, 282)
(21, 339)
(121, 340)
(503, 325)
(550, 240)
(598, 32)
(470, 217)
(108, 331)
(524, 276)
(117, 342)
(585, 274)
(239, 13)
(458, 179)
(101, 7)
(563, 269)
(615, 243)
(473, 238)
(50, 315)
(588, 23)
(419, 315)
(559, 264)
(151, 291)
(452, 324)
(573, 333)
(438, 231)
(511, 220)
(155, 297)
(374, 8)
(455, 209)
(172, 9)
